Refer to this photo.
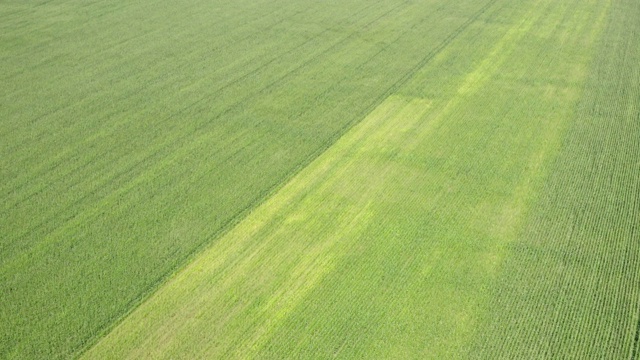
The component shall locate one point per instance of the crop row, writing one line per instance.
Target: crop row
(570, 289)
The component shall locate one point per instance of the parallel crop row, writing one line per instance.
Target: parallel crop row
(572, 287)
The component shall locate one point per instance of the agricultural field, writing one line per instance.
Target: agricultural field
(279, 179)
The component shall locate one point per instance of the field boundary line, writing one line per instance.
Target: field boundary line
(268, 193)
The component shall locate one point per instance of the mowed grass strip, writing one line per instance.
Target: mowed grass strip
(570, 285)
(387, 245)
(133, 134)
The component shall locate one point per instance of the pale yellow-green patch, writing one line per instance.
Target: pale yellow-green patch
(277, 254)
(502, 51)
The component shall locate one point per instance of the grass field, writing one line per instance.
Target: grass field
(352, 179)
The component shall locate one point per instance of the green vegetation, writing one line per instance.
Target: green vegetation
(134, 133)
(289, 179)
(571, 281)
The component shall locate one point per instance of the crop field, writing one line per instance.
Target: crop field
(278, 179)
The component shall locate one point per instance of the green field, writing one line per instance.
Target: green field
(338, 179)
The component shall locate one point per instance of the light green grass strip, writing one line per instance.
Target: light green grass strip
(267, 264)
